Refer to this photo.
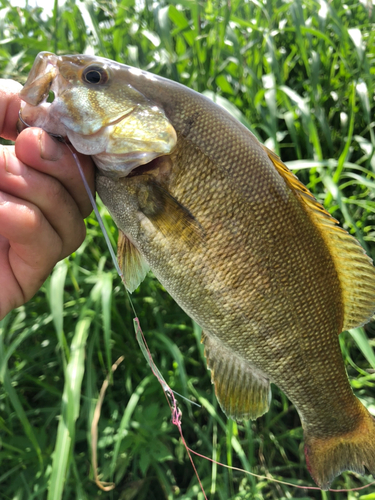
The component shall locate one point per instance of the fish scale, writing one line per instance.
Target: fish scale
(231, 271)
(234, 237)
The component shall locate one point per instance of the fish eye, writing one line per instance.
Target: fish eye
(95, 75)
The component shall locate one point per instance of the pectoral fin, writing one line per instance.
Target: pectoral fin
(243, 392)
(133, 265)
(172, 219)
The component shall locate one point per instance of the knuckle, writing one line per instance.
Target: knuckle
(33, 220)
(56, 191)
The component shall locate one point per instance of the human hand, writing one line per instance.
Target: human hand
(42, 204)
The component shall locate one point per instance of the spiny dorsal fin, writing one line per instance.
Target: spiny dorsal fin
(132, 264)
(354, 268)
(243, 393)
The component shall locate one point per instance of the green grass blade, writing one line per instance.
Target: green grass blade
(106, 302)
(11, 393)
(364, 345)
(125, 421)
(70, 406)
(56, 300)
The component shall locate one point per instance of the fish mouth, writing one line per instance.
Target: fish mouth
(122, 129)
(149, 167)
(158, 168)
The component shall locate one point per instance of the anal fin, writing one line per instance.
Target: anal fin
(132, 263)
(242, 391)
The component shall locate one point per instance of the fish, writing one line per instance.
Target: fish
(235, 238)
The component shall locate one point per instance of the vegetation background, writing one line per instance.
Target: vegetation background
(300, 75)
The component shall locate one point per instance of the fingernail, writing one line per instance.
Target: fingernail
(11, 165)
(50, 149)
(2, 199)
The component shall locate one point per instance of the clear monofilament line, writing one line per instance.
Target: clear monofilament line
(101, 224)
(141, 342)
(95, 208)
(169, 393)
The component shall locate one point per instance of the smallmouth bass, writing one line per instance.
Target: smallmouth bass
(235, 238)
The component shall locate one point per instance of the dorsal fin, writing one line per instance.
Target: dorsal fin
(243, 392)
(354, 268)
(132, 264)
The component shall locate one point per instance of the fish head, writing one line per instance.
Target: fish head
(97, 110)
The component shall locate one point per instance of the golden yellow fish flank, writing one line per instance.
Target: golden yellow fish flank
(234, 237)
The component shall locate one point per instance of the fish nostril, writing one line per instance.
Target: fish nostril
(51, 96)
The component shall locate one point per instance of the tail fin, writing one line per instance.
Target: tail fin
(326, 458)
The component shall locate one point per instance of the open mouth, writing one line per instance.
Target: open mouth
(148, 167)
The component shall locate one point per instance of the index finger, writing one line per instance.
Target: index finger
(10, 103)
(38, 150)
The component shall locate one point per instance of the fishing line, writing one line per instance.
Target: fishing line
(95, 207)
(278, 480)
(171, 400)
(168, 392)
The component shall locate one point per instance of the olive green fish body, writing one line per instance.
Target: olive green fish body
(283, 319)
(234, 237)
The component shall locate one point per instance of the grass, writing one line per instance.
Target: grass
(300, 75)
